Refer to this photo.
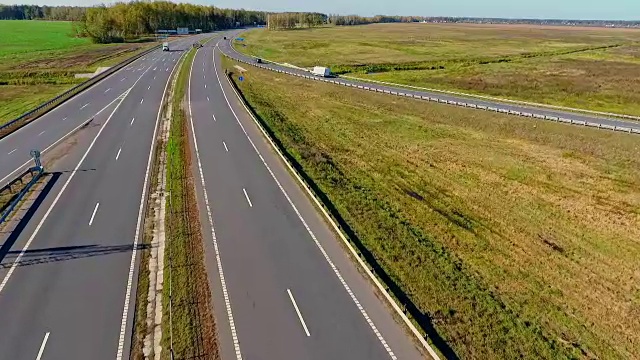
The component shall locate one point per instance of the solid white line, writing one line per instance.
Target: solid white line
(44, 343)
(132, 120)
(225, 146)
(84, 106)
(118, 154)
(41, 133)
(17, 260)
(304, 222)
(141, 100)
(293, 301)
(106, 91)
(12, 151)
(223, 283)
(247, 196)
(95, 210)
(127, 299)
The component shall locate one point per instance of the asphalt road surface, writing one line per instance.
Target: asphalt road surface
(283, 287)
(66, 278)
(634, 126)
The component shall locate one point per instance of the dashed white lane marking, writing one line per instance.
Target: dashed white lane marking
(141, 100)
(136, 239)
(18, 258)
(65, 118)
(247, 196)
(167, 69)
(123, 79)
(154, 78)
(306, 226)
(41, 133)
(205, 86)
(106, 91)
(118, 154)
(223, 283)
(149, 87)
(95, 210)
(12, 151)
(84, 106)
(44, 343)
(293, 301)
(132, 120)
(208, 99)
(214, 117)
(154, 69)
(225, 146)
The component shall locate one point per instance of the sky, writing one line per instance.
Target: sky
(548, 9)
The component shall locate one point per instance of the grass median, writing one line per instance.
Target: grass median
(590, 68)
(194, 332)
(515, 238)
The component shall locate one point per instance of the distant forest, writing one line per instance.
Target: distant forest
(35, 12)
(121, 21)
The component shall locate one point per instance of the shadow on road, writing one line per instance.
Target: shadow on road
(52, 178)
(64, 253)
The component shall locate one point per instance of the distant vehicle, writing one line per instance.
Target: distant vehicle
(259, 61)
(224, 37)
(321, 71)
(197, 45)
(165, 46)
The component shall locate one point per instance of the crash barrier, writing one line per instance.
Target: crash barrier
(627, 129)
(36, 173)
(42, 109)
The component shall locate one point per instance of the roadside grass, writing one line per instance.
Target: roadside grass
(39, 60)
(516, 238)
(194, 332)
(591, 68)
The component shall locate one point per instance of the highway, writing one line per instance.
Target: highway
(556, 115)
(68, 278)
(283, 286)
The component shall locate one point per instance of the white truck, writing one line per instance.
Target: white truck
(165, 46)
(321, 71)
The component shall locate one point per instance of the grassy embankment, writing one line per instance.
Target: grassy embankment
(39, 60)
(515, 238)
(590, 68)
(194, 333)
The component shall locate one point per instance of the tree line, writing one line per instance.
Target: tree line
(106, 24)
(341, 20)
(292, 20)
(35, 12)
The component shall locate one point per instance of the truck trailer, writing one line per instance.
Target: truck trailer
(321, 71)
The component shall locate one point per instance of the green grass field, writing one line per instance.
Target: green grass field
(38, 60)
(518, 238)
(597, 69)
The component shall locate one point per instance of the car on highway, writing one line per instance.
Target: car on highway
(258, 60)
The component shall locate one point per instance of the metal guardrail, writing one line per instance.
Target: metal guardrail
(4, 215)
(443, 101)
(42, 109)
